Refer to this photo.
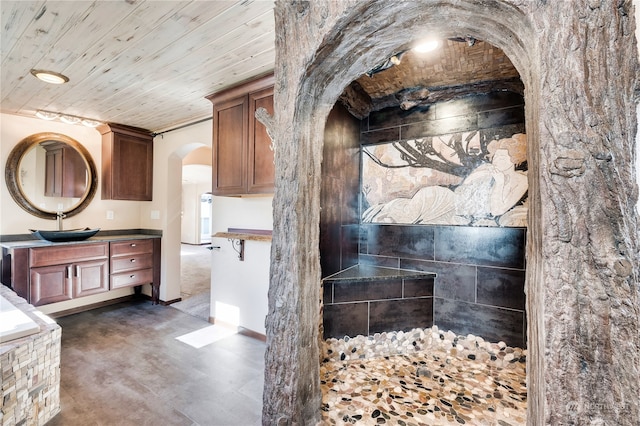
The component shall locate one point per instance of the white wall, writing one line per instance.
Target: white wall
(165, 210)
(241, 284)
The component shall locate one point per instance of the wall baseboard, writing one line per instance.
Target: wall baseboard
(240, 330)
(91, 306)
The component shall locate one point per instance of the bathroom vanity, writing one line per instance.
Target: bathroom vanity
(45, 272)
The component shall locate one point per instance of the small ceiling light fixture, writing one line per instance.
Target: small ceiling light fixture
(66, 118)
(90, 123)
(426, 46)
(50, 76)
(69, 119)
(47, 115)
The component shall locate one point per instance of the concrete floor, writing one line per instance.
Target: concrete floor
(122, 365)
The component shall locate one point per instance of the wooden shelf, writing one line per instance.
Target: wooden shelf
(243, 236)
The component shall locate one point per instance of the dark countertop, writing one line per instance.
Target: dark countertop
(367, 272)
(100, 237)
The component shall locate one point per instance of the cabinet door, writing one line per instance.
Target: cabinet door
(51, 284)
(90, 278)
(53, 173)
(229, 147)
(74, 173)
(127, 163)
(261, 176)
(132, 168)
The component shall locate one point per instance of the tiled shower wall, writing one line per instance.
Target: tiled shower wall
(480, 284)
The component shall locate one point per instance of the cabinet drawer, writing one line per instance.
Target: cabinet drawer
(56, 255)
(128, 279)
(131, 263)
(125, 248)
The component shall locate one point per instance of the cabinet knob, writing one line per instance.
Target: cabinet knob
(133, 244)
(132, 260)
(132, 276)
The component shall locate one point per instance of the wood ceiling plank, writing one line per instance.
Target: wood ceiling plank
(111, 38)
(76, 34)
(112, 85)
(15, 19)
(188, 111)
(180, 108)
(171, 71)
(41, 32)
(195, 69)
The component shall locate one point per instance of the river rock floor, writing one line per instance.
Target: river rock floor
(422, 377)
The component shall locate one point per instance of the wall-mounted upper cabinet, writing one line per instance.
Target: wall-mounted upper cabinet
(127, 163)
(242, 155)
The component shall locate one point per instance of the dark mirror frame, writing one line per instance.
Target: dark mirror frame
(13, 163)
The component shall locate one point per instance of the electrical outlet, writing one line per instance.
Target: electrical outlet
(155, 214)
(110, 215)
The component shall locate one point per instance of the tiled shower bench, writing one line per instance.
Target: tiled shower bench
(367, 299)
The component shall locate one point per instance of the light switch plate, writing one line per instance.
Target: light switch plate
(110, 215)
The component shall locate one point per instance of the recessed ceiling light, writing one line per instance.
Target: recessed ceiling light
(50, 76)
(426, 46)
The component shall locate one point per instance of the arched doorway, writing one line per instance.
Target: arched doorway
(332, 45)
(326, 79)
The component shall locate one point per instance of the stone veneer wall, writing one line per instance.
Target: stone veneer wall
(30, 371)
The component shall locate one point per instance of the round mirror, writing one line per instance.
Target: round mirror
(48, 173)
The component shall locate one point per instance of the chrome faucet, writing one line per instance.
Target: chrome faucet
(59, 217)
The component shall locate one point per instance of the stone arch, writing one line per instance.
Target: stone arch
(334, 44)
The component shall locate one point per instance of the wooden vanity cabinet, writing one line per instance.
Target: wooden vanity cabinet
(60, 272)
(127, 163)
(136, 262)
(67, 272)
(242, 155)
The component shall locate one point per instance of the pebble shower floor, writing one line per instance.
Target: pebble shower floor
(422, 377)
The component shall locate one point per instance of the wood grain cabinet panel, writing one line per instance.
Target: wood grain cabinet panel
(136, 262)
(91, 278)
(229, 147)
(127, 163)
(261, 172)
(65, 171)
(242, 155)
(51, 284)
(59, 273)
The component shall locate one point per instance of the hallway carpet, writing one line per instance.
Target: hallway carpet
(122, 365)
